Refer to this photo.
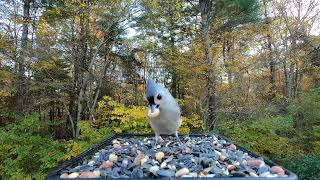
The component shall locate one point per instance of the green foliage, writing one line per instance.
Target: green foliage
(261, 136)
(307, 167)
(25, 153)
(89, 136)
(307, 119)
(306, 109)
(277, 139)
(133, 119)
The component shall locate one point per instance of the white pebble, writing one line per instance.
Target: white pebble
(91, 163)
(113, 158)
(181, 172)
(163, 165)
(73, 175)
(125, 162)
(154, 169)
(252, 174)
(115, 141)
(217, 152)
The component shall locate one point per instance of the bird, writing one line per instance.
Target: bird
(164, 113)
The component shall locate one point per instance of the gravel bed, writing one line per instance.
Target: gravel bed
(205, 156)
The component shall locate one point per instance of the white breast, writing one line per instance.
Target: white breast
(167, 122)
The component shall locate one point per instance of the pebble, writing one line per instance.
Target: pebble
(116, 146)
(138, 159)
(125, 162)
(91, 163)
(201, 174)
(222, 157)
(89, 175)
(191, 158)
(163, 165)
(186, 150)
(154, 169)
(231, 167)
(143, 160)
(106, 165)
(181, 172)
(278, 170)
(113, 158)
(207, 170)
(233, 147)
(137, 173)
(159, 156)
(255, 162)
(252, 174)
(165, 173)
(263, 168)
(73, 175)
(97, 173)
(115, 141)
(64, 175)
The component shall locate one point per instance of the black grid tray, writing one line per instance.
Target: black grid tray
(55, 175)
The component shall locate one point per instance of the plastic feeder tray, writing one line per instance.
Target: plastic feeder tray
(55, 175)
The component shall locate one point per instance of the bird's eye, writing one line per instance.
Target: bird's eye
(159, 97)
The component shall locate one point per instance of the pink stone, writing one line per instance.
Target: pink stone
(88, 175)
(138, 158)
(255, 162)
(231, 167)
(233, 147)
(278, 169)
(106, 165)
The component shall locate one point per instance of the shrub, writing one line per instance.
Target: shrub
(307, 120)
(306, 109)
(306, 167)
(88, 137)
(24, 153)
(260, 136)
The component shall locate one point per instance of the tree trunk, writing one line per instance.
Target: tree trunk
(21, 79)
(272, 63)
(98, 89)
(206, 21)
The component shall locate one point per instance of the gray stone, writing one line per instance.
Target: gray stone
(165, 173)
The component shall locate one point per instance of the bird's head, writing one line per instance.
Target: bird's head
(158, 98)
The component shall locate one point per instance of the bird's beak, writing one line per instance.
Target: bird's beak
(153, 111)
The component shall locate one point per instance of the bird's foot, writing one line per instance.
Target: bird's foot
(177, 137)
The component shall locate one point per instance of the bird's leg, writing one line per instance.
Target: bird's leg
(157, 138)
(177, 136)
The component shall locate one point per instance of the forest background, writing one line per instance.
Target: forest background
(73, 72)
